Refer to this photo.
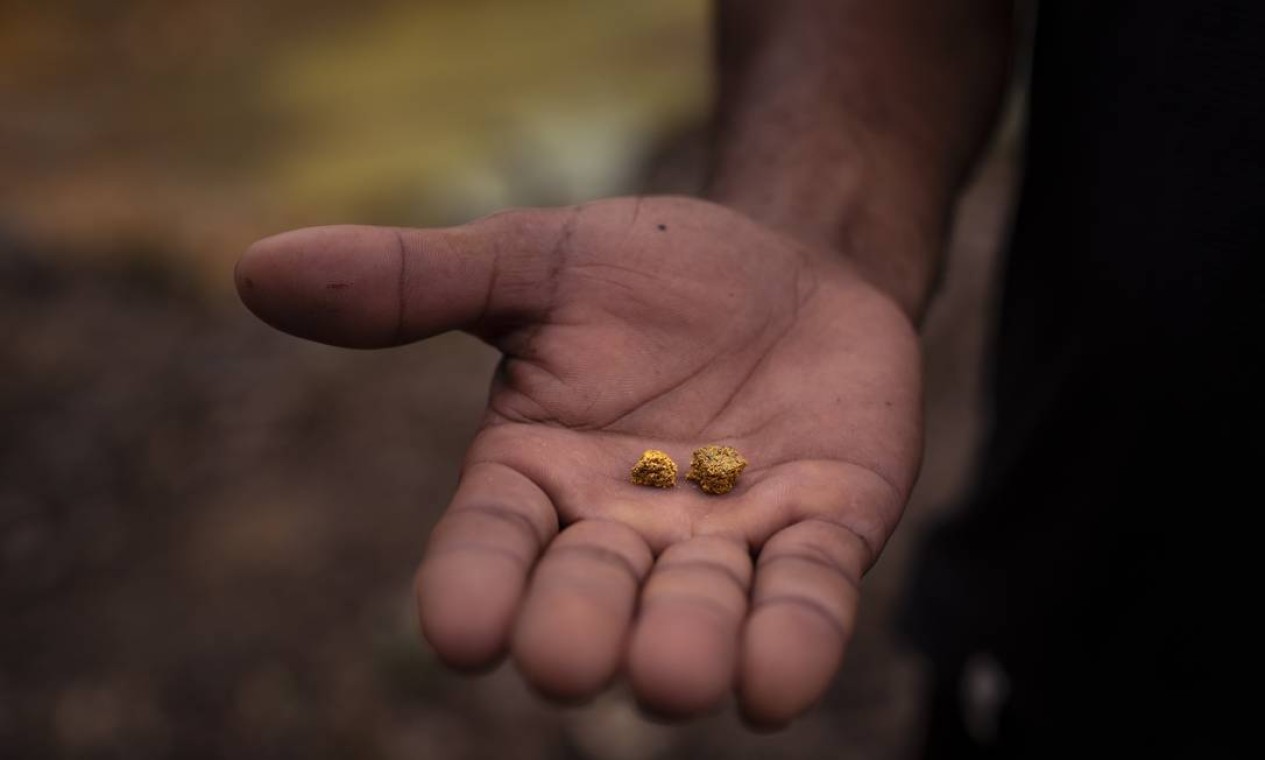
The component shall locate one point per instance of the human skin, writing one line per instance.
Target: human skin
(785, 329)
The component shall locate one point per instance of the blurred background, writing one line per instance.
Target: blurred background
(208, 529)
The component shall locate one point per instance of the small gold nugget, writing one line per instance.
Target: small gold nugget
(716, 468)
(654, 469)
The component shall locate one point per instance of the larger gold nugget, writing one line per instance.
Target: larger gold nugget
(654, 469)
(716, 468)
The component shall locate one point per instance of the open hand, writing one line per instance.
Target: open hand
(630, 324)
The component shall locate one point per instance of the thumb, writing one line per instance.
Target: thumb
(370, 287)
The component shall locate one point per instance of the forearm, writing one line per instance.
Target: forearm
(852, 123)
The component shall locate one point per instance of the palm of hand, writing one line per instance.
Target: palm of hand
(668, 323)
(670, 331)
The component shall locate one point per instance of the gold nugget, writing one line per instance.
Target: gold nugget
(654, 469)
(716, 468)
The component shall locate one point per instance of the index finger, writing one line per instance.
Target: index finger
(471, 580)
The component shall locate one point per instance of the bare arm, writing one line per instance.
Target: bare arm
(852, 123)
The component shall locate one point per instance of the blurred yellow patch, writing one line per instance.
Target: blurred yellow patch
(188, 129)
(439, 112)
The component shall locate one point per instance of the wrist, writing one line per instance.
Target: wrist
(880, 206)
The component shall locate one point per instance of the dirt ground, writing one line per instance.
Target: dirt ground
(208, 529)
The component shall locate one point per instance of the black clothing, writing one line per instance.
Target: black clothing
(1087, 560)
